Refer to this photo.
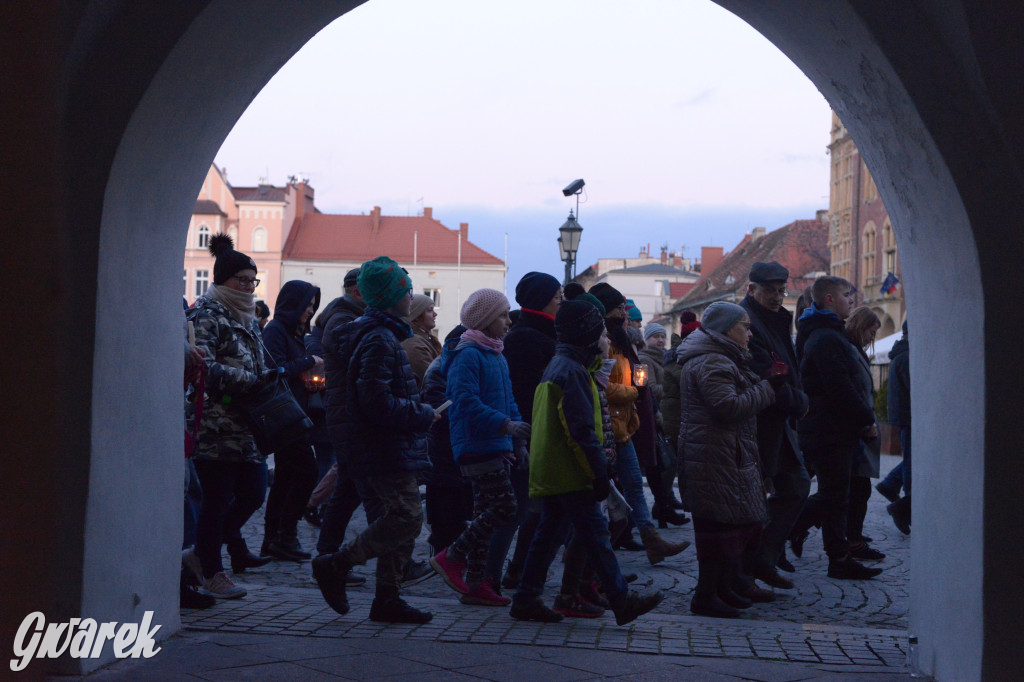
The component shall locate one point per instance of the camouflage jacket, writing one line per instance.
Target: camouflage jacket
(234, 362)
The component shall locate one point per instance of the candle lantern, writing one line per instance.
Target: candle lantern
(640, 375)
(316, 377)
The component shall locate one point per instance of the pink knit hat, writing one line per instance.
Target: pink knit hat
(483, 307)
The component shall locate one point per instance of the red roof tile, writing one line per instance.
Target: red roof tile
(801, 246)
(680, 289)
(322, 237)
(207, 207)
(261, 193)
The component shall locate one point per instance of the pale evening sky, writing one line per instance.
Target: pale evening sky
(688, 126)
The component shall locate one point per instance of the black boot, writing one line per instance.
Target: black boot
(331, 574)
(730, 571)
(705, 601)
(287, 546)
(242, 558)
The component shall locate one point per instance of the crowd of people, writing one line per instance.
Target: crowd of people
(535, 426)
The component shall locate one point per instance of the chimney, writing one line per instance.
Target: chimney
(710, 258)
(758, 233)
(677, 261)
(375, 217)
(464, 231)
(428, 212)
(822, 215)
(664, 255)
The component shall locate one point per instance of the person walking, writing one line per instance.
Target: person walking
(378, 425)
(778, 446)
(721, 399)
(570, 472)
(295, 469)
(487, 434)
(231, 469)
(899, 415)
(840, 417)
(622, 397)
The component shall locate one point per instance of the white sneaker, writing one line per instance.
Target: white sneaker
(221, 587)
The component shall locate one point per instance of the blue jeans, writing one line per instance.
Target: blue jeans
(590, 527)
(232, 491)
(193, 503)
(632, 484)
(900, 475)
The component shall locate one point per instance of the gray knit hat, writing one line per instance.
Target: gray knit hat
(721, 316)
(653, 328)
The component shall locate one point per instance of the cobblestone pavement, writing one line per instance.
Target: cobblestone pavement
(822, 621)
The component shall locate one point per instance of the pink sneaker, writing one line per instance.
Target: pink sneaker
(451, 571)
(484, 595)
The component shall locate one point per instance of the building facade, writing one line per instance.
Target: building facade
(862, 241)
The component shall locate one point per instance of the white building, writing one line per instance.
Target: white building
(653, 287)
(442, 262)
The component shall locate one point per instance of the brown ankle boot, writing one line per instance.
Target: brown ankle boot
(657, 547)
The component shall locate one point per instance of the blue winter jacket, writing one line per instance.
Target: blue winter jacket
(481, 394)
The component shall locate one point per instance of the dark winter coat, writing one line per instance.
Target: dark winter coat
(721, 399)
(654, 358)
(283, 335)
(899, 383)
(481, 395)
(422, 347)
(834, 379)
(341, 310)
(445, 471)
(529, 347)
(776, 426)
(671, 403)
(376, 420)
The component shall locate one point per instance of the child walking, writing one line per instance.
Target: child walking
(487, 435)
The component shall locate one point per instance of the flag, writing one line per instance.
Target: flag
(889, 285)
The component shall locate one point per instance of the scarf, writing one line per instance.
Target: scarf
(478, 337)
(240, 304)
(539, 313)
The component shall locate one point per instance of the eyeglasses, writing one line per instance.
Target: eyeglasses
(246, 281)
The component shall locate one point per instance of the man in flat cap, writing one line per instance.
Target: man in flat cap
(781, 459)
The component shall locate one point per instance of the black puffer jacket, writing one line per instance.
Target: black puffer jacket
(834, 379)
(439, 438)
(283, 335)
(341, 310)
(529, 347)
(776, 426)
(899, 383)
(376, 420)
(721, 398)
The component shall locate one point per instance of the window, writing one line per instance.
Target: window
(203, 239)
(184, 282)
(233, 233)
(867, 250)
(259, 239)
(889, 243)
(434, 294)
(261, 290)
(202, 282)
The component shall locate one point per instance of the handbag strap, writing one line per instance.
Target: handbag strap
(200, 402)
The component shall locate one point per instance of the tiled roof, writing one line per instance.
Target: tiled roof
(261, 193)
(207, 207)
(680, 289)
(323, 237)
(653, 269)
(801, 246)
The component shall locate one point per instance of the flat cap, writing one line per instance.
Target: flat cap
(772, 271)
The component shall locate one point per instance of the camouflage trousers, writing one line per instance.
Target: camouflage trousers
(395, 516)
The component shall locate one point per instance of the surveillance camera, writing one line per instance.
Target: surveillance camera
(575, 187)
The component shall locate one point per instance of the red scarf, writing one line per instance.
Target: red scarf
(539, 312)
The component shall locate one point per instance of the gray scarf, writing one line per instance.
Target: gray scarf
(240, 304)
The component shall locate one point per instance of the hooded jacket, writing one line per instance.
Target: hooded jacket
(529, 347)
(481, 393)
(899, 383)
(283, 335)
(834, 378)
(721, 398)
(567, 443)
(375, 418)
(777, 441)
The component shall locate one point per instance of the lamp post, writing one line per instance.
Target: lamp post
(569, 232)
(568, 244)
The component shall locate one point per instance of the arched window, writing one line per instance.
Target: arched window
(203, 237)
(889, 244)
(259, 239)
(233, 233)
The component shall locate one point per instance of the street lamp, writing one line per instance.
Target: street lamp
(568, 244)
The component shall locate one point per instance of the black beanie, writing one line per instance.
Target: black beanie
(578, 323)
(229, 262)
(608, 295)
(572, 290)
(536, 289)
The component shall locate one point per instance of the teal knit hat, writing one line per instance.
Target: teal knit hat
(633, 311)
(383, 282)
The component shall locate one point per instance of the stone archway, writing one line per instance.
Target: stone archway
(120, 152)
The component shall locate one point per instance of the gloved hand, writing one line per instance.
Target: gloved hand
(602, 488)
(518, 430)
(777, 381)
(269, 376)
(522, 456)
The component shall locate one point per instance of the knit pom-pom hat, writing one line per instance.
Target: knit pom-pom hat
(483, 307)
(229, 262)
(382, 283)
(578, 323)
